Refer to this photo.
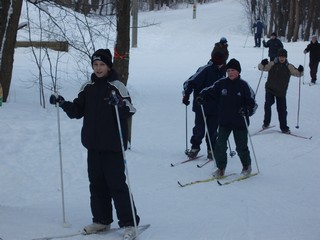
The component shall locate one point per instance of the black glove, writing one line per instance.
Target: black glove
(115, 100)
(55, 98)
(200, 100)
(264, 61)
(244, 112)
(185, 100)
(300, 68)
(264, 42)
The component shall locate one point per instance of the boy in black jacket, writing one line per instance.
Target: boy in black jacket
(100, 135)
(236, 102)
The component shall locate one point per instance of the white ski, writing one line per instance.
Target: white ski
(141, 229)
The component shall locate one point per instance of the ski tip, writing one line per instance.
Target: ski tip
(180, 184)
(219, 183)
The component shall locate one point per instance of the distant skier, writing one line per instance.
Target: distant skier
(258, 27)
(280, 71)
(314, 57)
(204, 77)
(274, 44)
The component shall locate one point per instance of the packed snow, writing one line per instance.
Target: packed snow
(280, 203)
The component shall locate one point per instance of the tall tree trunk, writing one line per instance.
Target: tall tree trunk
(297, 21)
(291, 21)
(273, 6)
(309, 13)
(122, 47)
(9, 18)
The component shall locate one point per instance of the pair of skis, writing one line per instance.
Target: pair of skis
(140, 229)
(291, 134)
(224, 180)
(190, 160)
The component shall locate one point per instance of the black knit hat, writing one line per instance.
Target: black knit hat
(274, 34)
(103, 55)
(234, 64)
(282, 52)
(217, 57)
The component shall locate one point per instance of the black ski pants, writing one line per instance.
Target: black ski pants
(107, 179)
(241, 140)
(281, 109)
(257, 39)
(313, 70)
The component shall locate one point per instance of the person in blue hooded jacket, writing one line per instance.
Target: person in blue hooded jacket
(204, 77)
(236, 103)
(258, 29)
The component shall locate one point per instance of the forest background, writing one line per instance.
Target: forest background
(290, 19)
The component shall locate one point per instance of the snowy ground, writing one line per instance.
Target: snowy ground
(281, 203)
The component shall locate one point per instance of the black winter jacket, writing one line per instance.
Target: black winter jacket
(203, 78)
(274, 45)
(100, 126)
(314, 49)
(232, 96)
(279, 76)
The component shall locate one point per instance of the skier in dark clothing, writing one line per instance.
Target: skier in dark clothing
(280, 71)
(100, 136)
(274, 44)
(236, 101)
(222, 46)
(314, 57)
(258, 26)
(204, 77)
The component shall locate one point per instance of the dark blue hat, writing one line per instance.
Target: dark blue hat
(103, 55)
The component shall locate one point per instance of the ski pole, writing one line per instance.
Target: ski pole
(298, 113)
(231, 152)
(207, 132)
(254, 154)
(304, 63)
(259, 82)
(125, 165)
(65, 224)
(187, 150)
(245, 43)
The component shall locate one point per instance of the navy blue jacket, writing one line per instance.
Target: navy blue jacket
(231, 96)
(100, 126)
(259, 27)
(274, 45)
(203, 78)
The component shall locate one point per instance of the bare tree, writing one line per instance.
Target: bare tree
(9, 18)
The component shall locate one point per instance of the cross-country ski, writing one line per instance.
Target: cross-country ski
(112, 233)
(233, 180)
(185, 161)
